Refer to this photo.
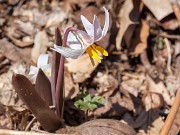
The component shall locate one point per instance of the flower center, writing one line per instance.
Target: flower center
(95, 52)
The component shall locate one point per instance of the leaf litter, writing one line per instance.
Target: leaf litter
(138, 80)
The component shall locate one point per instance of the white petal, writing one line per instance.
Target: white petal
(87, 39)
(73, 42)
(42, 60)
(68, 52)
(33, 70)
(97, 29)
(106, 23)
(47, 70)
(87, 25)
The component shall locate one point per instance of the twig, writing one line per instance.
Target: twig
(30, 123)
(163, 34)
(170, 118)
(169, 55)
(13, 132)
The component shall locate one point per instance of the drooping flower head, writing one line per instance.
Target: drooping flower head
(80, 41)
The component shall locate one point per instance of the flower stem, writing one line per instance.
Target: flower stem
(59, 96)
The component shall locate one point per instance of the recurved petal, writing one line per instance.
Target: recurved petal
(87, 39)
(42, 60)
(87, 25)
(68, 52)
(73, 41)
(106, 23)
(97, 29)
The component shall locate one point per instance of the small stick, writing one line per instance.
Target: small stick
(30, 123)
(170, 118)
(169, 55)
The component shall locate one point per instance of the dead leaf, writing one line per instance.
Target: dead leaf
(128, 15)
(159, 8)
(142, 45)
(161, 89)
(107, 84)
(154, 125)
(176, 10)
(152, 100)
(55, 17)
(71, 89)
(40, 45)
(81, 68)
(14, 53)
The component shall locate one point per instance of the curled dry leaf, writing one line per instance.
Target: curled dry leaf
(7, 93)
(107, 84)
(159, 8)
(152, 100)
(40, 45)
(14, 53)
(128, 15)
(71, 89)
(142, 44)
(161, 89)
(81, 68)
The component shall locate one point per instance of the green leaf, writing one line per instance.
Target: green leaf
(92, 106)
(81, 104)
(98, 99)
(87, 98)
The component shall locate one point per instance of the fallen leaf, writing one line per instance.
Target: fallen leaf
(161, 89)
(159, 8)
(40, 45)
(143, 37)
(71, 89)
(152, 100)
(128, 16)
(176, 10)
(81, 68)
(55, 17)
(107, 84)
(14, 53)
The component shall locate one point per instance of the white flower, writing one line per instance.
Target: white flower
(43, 64)
(81, 41)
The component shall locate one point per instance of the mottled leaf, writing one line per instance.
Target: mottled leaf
(28, 94)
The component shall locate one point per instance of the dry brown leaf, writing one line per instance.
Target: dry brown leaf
(144, 34)
(128, 15)
(152, 100)
(155, 124)
(106, 83)
(40, 45)
(7, 93)
(81, 68)
(161, 89)
(176, 9)
(159, 8)
(14, 53)
(71, 89)
(56, 16)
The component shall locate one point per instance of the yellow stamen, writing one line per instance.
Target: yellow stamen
(93, 51)
(99, 49)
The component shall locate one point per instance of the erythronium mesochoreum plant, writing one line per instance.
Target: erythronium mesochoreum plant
(45, 93)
